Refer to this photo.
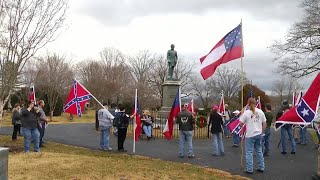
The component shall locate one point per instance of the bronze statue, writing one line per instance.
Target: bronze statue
(172, 58)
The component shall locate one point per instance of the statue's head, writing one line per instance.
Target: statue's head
(172, 46)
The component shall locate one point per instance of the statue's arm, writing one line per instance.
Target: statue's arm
(168, 56)
(176, 56)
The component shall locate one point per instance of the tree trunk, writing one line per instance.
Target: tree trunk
(1, 109)
(2, 104)
(51, 115)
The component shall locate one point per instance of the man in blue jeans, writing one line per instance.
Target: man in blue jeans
(303, 135)
(269, 118)
(186, 122)
(255, 122)
(29, 123)
(286, 129)
(105, 123)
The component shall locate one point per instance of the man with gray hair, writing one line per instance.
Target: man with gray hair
(43, 121)
(105, 123)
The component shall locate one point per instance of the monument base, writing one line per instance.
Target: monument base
(170, 89)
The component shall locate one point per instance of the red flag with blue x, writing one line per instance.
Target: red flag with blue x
(306, 109)
(77, 99)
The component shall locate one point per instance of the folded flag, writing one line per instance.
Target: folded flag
(136, 110)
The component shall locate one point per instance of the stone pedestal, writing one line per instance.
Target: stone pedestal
(170, 89)
(4, 153)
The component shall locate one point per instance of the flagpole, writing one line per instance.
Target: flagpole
(241, 160)
(134, 122)
(34, 94)
(91, 94)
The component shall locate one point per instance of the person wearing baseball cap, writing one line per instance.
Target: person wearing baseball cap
(216, 122)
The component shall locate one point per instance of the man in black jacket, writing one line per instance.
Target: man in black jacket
(122, 122)
(186, 124)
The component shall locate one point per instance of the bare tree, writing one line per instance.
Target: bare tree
(204, 90)
(299, 53)
(26, 26)
(54, 76)
(227, 80)
(285, 87)
(279, 88)
(108, 78)
(117, 75)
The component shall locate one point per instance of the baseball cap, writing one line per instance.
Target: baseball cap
(215, 107)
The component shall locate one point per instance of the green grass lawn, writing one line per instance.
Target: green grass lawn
(57, 161)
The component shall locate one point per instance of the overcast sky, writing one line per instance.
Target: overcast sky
(194, 26)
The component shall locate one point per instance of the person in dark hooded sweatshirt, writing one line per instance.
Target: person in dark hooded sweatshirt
(29, 123)
(216, 123)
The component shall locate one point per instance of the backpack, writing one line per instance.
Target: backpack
(121, 121)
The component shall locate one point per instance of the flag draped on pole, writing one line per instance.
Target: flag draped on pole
(176, 108)
(227, 49)
(306, 109)
(191, 107)
(77, 98)
(222, 107)
(258, 103)
(32, 94)
(137, 112)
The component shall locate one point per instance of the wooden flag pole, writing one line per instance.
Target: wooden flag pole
(134, 121)
(241, 159)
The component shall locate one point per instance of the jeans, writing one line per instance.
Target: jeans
(104, 137)
(226, 129)
(217, 144)
(236, 139)
(16, 129)
(42, 130)
(303, 135)
(147, 130)
(31, 133)
(287, 129)
(185, 136)
(254, 143)
(267, 140)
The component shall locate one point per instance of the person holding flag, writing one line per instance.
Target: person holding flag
(235, 136)
(255, 122)
(286, 128)
(216, 122)
(105, 123)
(186, 123)
(269, 118)
(122, 122)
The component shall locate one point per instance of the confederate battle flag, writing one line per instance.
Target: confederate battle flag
(306, 109)
(77, 99)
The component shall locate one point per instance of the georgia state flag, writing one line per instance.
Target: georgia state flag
(306, 109)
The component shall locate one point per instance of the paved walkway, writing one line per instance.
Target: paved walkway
(293, 167)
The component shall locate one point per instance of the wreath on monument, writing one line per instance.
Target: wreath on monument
(201, 121)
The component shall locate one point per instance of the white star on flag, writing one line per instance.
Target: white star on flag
(305, 112)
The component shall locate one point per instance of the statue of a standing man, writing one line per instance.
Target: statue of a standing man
(172, 58)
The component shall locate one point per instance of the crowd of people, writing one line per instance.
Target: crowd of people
(32, 121)
(256, 139)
